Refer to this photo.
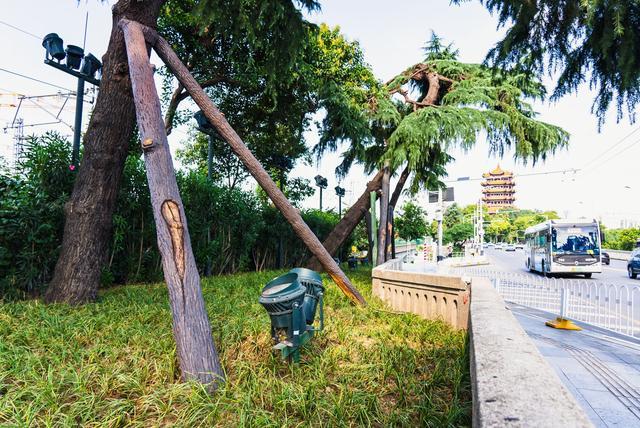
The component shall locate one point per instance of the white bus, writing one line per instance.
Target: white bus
(564, 246)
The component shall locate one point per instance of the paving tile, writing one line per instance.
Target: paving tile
(618, 418)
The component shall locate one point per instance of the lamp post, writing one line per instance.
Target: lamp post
(321, 182)
(340, 192)
(206, 128)
(87, 65)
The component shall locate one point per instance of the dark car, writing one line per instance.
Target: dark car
(633, 265)
(606, 260)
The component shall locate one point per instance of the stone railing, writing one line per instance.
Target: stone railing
(512, 384)
(428, 295)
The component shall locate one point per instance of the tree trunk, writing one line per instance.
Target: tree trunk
(89, 211)
(196, 351)
(384, 212)
(348, 223)
(217, 119)
(402, 180)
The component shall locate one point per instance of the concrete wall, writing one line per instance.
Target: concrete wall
(512, 383)
(428, 295)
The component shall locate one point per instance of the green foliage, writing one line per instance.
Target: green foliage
(621, 239)
(580, 39)
(113, 363)
(31, 214)
(412, 224)
(458, 234)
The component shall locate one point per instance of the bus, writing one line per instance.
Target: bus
(564, 246)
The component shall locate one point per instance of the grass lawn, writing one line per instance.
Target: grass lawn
(113, 363)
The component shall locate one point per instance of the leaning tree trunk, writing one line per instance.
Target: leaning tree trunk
(384, 212)
(89, 211)
(196, 352)
(349, 221)
(217, 119)
(402, 180)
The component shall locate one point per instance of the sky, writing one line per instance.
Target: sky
(391, 35)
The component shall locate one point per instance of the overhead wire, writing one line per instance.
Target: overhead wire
(620, 141)
(21, 30)
(35, 80)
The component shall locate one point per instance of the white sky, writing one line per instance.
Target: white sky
(391, 35)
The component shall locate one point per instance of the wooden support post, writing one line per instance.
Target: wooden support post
(384, 212)
(196, 351)
(217, 119)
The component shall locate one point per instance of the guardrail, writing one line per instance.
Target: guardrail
(609, 306)
(618, 254)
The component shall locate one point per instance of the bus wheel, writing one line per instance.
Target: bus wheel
(544, 271)
(588, 275)
(529, 264)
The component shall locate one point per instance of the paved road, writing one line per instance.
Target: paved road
(514, 261)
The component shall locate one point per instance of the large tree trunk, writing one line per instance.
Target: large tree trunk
(89, 211)
(217, 119)
(196, 352)
(384, 212)
(349, 221)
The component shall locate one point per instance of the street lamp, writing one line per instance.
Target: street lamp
(340, 192)
(54, 53)
(206, 127)
(321, 182)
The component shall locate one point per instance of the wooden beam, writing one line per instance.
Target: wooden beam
(217, 119)
(197, 354)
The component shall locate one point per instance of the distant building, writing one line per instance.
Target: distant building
(498, 190)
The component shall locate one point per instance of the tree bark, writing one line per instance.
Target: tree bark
(196, 351)
(89, 211)
(217, 119)
(402, 180)
(384, 211)
(348, 223)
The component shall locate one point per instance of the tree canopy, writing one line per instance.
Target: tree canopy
(583, 40)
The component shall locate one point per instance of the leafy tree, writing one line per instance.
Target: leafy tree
(458, 234)
(412, 223)
(412, 121)
(580, 39)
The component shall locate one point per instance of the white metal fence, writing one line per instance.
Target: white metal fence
(610, 306)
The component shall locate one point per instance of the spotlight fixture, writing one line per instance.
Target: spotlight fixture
(53, 46)
(91, 65)
(291, 300)
(74, 56)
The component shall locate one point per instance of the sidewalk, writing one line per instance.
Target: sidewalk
(601, 369)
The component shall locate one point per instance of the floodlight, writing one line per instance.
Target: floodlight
(74, 56)
(315, 291)
(53, 45)
(91, 65)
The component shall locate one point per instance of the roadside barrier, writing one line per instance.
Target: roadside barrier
(605, 305)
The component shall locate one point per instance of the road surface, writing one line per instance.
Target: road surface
(514, 261)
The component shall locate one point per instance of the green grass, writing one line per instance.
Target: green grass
(113, 363)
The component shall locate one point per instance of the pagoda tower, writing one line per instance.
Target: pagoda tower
(498, 190)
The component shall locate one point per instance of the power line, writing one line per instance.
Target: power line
(34, 79)
(21, 30)
(615, 155)
(597, 158)
(560, 171)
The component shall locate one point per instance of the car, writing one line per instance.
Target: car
(490, 245)
(633, 265)
(510, 247)
(498, 247)
(519, 246)
(604, 257)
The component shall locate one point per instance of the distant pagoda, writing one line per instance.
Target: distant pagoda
(498, 190)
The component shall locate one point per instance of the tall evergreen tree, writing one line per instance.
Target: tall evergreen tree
(595, 40)
(417, 117)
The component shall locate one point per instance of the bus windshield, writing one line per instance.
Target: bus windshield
(566, 240)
